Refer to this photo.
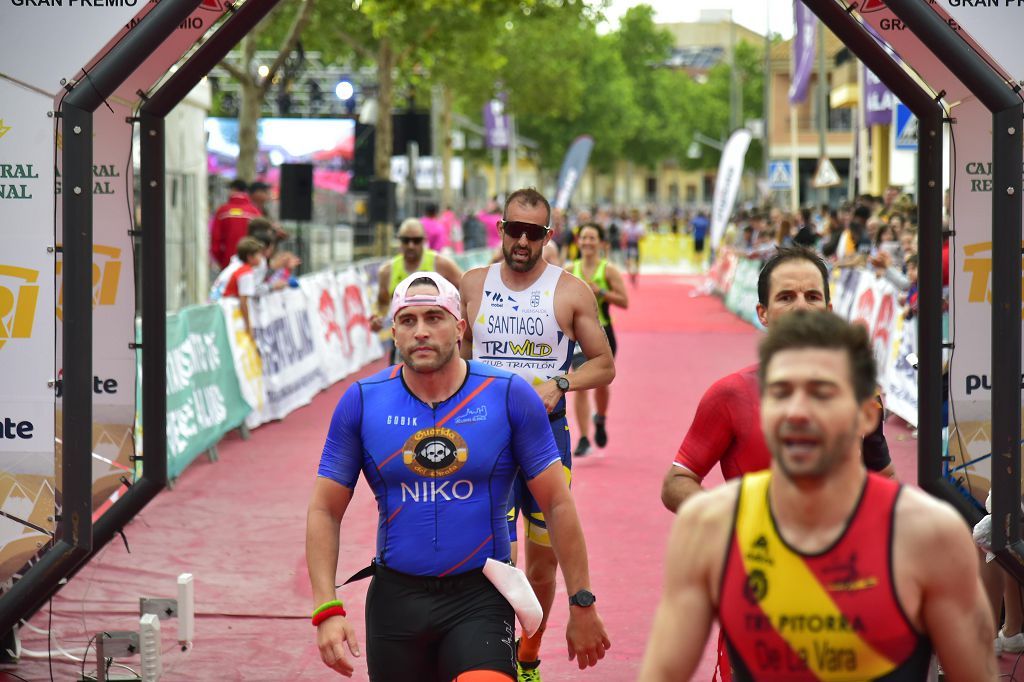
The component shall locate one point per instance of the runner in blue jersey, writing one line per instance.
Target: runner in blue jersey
(439, 440)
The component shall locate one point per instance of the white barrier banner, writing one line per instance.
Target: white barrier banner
(248, 365)
(900, 377)
(325, 310)
(355, 300)
(844, 291)
(875, 306)
(284, 334)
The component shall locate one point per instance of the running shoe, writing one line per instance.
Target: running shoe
(528, 671)
(1009, 645)
(600, 435)
(582, 448)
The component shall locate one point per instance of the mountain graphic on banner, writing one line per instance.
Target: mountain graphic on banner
(826, 175)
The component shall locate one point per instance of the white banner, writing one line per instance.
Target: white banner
(971, 261)
(113, 267)
(45, 42)
(727, 182)
(900, 377)
(328, 316)
(27, 143)
(844, 291)
(993, 27)
(248, 365)
(283, 331)
(26, 282)
(353, 288)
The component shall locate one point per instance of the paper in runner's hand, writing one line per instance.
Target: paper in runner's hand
(513, 585)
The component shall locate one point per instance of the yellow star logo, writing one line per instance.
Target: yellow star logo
(3, 128)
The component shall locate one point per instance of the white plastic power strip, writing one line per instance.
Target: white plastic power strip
(149, 643)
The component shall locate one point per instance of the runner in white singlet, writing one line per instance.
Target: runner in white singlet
(526, 316)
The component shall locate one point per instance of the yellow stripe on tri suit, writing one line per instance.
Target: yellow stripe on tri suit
(536, 527)
(793, 587)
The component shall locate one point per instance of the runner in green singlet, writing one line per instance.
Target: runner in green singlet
(413, 257)
(610, 289)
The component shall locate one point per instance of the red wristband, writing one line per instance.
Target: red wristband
(327, 613)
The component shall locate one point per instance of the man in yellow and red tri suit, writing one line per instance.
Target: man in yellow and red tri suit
(726, 429)
(818, 570)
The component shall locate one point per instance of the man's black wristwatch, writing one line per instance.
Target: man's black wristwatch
(582, 598)
(563, 383)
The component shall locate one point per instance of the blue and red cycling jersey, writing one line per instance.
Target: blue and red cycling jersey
(441, 473)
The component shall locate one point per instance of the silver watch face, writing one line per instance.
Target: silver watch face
(562, 383)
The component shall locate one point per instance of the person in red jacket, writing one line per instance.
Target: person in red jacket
(230, 223)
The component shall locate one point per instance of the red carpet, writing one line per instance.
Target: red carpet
(238, 524)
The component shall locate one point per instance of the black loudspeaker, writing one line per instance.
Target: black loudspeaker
(381, 208)
(411, 126)
(296, 191)
(363, 155)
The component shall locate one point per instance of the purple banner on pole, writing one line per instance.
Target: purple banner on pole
(496, 124)
(878, 100)
(804, 41)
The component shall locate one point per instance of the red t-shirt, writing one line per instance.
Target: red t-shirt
(229, 224)
(727, 429)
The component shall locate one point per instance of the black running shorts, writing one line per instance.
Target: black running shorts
(434, 629)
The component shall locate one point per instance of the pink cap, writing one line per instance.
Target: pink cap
(447, 296)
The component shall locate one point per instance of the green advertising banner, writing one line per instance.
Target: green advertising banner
(203, 398)
(742, 296)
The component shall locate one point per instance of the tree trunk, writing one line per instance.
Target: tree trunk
(248, 112)
(248, 123)
(446, 146)
(385, 94)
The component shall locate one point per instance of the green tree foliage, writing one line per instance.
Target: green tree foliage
(563, 78)
(712, 116)
(282, 29)
(573, 85)
(665, 97)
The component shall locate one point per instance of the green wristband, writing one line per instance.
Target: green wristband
(326, 605)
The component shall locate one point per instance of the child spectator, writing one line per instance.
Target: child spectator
(238, 279)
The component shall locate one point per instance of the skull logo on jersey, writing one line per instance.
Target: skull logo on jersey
(435, 452)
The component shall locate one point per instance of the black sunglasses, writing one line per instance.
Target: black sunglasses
(516, 229)
(411, 240)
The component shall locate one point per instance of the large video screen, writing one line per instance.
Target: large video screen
(327, 143)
